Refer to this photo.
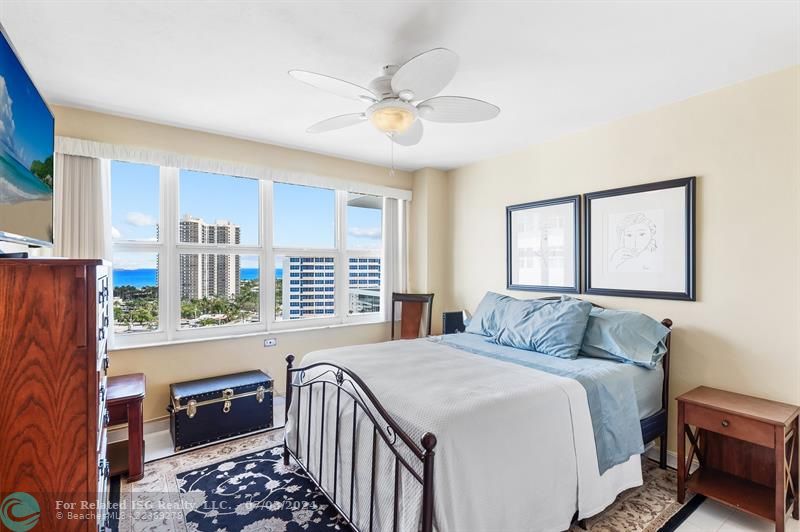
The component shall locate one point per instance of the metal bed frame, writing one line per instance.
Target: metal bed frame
(348, 384)
(350, 387)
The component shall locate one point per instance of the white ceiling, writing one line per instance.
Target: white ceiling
(552, 67)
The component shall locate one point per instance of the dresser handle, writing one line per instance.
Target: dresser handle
(725, 423)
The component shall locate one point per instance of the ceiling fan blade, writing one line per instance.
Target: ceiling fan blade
(410, 136)
(456, 109)
(334, 85)
(337, 122)
(426, 74)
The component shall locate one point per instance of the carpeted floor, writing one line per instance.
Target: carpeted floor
(243, 486)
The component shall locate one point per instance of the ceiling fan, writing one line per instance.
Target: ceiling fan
(402, 96)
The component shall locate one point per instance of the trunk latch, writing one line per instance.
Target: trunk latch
(227, 394)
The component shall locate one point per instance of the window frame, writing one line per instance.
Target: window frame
(169, 249)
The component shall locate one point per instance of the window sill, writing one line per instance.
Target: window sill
(278, 332)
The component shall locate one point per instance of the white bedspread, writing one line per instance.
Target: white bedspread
(515, 448)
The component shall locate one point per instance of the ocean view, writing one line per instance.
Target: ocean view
(18, 183)
(147, 276)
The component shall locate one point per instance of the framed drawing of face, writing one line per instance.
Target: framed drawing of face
(543, 245)
(640, 240)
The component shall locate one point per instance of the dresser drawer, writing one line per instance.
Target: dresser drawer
(735, 426)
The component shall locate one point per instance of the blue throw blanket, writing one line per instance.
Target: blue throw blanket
(610, 392)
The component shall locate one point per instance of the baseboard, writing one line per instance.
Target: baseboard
(120, 432)
(672, 457)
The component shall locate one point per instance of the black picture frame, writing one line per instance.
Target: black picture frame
(576, 208)
(689, 294)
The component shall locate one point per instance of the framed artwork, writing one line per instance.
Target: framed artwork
(543, 245)
(640, 240)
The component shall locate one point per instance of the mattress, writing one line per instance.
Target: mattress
(647, 383)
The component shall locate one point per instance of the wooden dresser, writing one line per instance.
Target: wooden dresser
(54, 316)
(747, 449)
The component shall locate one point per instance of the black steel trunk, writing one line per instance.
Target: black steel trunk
(208, 410)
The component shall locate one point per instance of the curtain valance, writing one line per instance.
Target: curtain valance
(102, 150)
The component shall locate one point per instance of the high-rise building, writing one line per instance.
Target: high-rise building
(365, 284)
(308, 286)
(209, 274)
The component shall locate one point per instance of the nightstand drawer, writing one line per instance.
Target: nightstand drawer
(735, 426)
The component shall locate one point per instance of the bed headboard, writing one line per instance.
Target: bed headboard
(666, 322)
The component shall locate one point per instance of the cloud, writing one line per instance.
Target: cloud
(373, 233)
(115, 233)
(7, 126)
(139, 219)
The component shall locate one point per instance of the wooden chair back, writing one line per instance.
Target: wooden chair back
(412, 308)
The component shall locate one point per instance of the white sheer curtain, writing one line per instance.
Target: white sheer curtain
(82, 205)
(394, 257)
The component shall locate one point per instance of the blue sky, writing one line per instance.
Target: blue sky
(26, 127)
(304, 217)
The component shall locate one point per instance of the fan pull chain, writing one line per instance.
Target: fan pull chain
(391, 142)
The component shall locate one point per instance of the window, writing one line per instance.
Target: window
(218, 216)
(304, 217)
(313, 284)
(364, 243)
(218, 289)
(134, 202)
(203, 255)
(135, 231)
(364, 222)
(135, 292)
(218, 209)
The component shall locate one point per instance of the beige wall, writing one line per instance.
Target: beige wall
(179, 362)
(429, 265)
(174, 363)
(743, 332)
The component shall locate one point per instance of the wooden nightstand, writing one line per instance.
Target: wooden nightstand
(747, 449)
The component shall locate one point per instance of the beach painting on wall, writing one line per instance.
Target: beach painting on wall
(640, 240)
(26, 153)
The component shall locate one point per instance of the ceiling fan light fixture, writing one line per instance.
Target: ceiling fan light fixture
(392, 115)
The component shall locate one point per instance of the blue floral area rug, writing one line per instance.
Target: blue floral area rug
(255, 493)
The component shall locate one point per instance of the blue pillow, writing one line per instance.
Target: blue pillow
(487, 317)
(551, 327)
(625, 336)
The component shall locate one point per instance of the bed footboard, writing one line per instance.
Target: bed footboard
(349, 390)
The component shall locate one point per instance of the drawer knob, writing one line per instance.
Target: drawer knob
(725, 423)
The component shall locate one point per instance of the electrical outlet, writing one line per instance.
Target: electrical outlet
(270, 342)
